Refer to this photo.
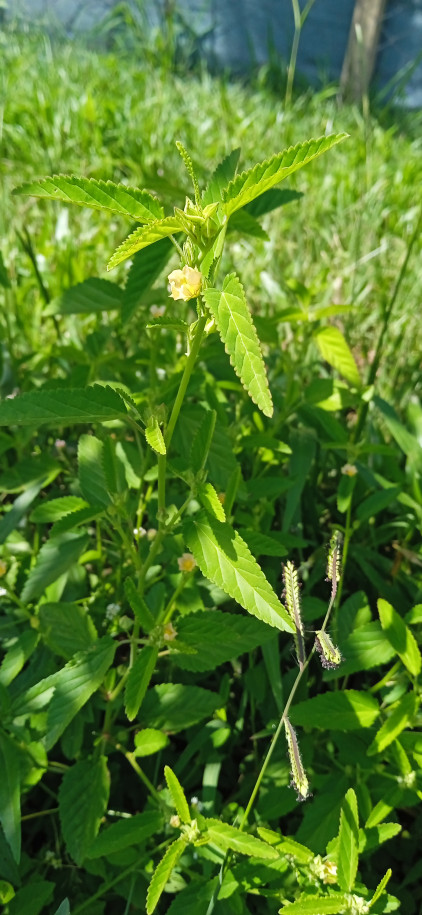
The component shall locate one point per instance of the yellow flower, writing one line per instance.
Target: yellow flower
(185, 284)
(186, 562)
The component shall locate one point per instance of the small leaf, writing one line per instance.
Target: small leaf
(223, 174)
(149, 741)
(139, 679)
(381, 887)
(177, 794)
(344, 711)
(401, 717)
(97, 194)
(228, 837)
(10, 795)
(400, 637)
(263, 176)
(144, 236)
(54, 558)
(63, 407)
(224, 558)
(334, 350)
(174, 707)
(83, 798)
(55, 509)
(154, 436)
(89, 297)
(74, 685)
(163, 872)
(237, 331)
(335, 904)
(348, 843)
(125, 833)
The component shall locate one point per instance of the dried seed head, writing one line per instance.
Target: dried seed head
(299, 778)
(292, 600)
(329, 654)
(334, 562)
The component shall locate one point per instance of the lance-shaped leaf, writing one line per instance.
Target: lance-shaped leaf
(348, 842)
(400, 637)
(54, 559)
(97, 194)
(10, 807)
(91, 296)
(177, 794)
(250, 184)
(63, 407)
(237, 331)
(225, 559)
(380, 888)
(139, 679)
(125, 833)
(401, 716)
(83, 798)
(154, 435)
(336, 351)
(228, 837)
(144, 236)
(162, 873)
(334, 904)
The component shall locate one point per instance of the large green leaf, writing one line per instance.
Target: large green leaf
(217, 637)
(97, 194)
(400, 637)
(139, 679)
(66, 628)
(55, 509)
(228, 837)
(74, 685)
(250, 184)
(83, 798)
(91, 296)
(144, 270)
(125, 833)
(237, 331)
(163, 872)
(63, 407)
(144, 236)
(345, 711)
(177, 794)
(366, 647)
(335, 904)
(92, 479)
(174, 707)
(10, 795)
(401, 716)
(336, 351)
(54, 558)
(224, 558)
(348, 842)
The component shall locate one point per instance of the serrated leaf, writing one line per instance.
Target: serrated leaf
(74, 685)
(381, 887)
(54, 509)
(401, 716)
(125, 833)
(91, 474)
(97, 194)
(370, 839)
(218, 637)
(210, 501)
(228, 837)
(144, 270)
(237, 331)
(138, 605)
(202, 441)
(83, 798)
(263, 176)
(54, 558)
(336, 351)
(154, 436)
(223, 174)
(163, 872)
(169, 324)
(348, 843)
(63, 407)
(89, 297)
(224, 558)
(143, 237)
(285, 845)
(149, 741)
(177, 795)
(66, 628)
(139, 679)
(74, 519)
(10, 795)
(317, 905)
(400, 637)
(174, 707)
(345, 711)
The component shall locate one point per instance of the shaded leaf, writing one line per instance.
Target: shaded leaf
(83, 798)
(174, 707)
(17, 655)
(365, 648)
(334, 350)
(223, 174)
(381, 887)
(401, 716)
(89, 297)
(144, 270)
(345, 711)
(92, 479)
(125, 833)
(224, 558)
(143, 237)
(10, 519)
(10, 809)
(139, 679)
(400, 637)
(32, 898)
(54, 558)
(55, 509)
(237, 331)
(66, 628)
(63, 407)
(218, 637)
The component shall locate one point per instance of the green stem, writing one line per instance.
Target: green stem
(190, 362)
(144, 778)
(161, 463)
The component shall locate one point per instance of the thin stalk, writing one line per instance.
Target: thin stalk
(144, 778)
(299, 20)
(190, 362)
